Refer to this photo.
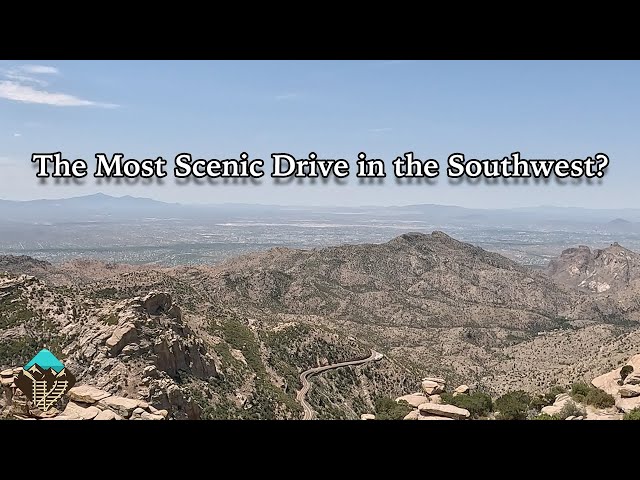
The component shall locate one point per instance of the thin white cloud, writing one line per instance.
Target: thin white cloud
(20, 77)
(24, 83)
(380, 130)
(29, 73)
(19, 92)
(287, 96)
(17, 134)
(39, 69)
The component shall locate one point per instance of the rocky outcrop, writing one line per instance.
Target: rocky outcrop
(625, 392)
(83, 402)
(629, 391)
(412, 415)
(429, 406)
(137, 350)
(367, 416)
(433, 386)
(122, 336)
(611, 269)
(415, 399)
(433, 417)
(443, 410)
(559, 403)
(156, 303)
(87, 394)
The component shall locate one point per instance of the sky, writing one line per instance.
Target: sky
(218, 109)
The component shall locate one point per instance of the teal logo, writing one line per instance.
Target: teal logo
(44, 380)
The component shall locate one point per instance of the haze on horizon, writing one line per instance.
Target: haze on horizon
(485, 109)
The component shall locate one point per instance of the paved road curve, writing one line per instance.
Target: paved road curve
(306, 385)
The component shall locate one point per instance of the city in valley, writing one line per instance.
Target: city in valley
(141, 231)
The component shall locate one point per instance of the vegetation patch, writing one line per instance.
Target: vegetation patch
(479, 404)
(387, 409)
(589, 395)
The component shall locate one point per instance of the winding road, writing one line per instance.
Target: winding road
(306, 385)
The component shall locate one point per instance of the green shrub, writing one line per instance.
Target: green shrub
(513, 405)
(553, 392)
(626, 371)
(538, 402)
(387, 409)
(583, 393)
(479, 404)
(570, 409)
(581, 389)
(600, 399)
(632, 415)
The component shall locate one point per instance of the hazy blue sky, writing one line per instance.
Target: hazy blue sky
(218, 109)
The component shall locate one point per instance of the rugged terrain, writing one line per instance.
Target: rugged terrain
(229, 341)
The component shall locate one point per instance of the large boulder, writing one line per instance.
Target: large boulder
(561, 400)
(433, 417)
(431, 388)
(450, 411)
(627, 404)
(91, 412)
(157, 303)
(594, 413)
(120, 405)
(629, 391)
(121, 336)
(106, 415)
(367, 416)
(439, 380)
(412, 415)
(610, 382)
(415, 399)
(75, 411)
(87, 394)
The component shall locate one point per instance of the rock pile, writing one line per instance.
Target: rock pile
(428, 404)
(83, 402)
(626, 391)
(134, 348)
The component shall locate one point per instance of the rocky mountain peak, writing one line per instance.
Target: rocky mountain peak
(601, 270)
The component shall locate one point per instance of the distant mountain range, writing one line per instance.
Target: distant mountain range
(106, 208)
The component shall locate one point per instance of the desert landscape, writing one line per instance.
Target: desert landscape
(454, 327)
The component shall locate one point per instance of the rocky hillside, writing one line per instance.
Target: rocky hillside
(610, 270)
(415, 280)
(198, 362)
(230, 341)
